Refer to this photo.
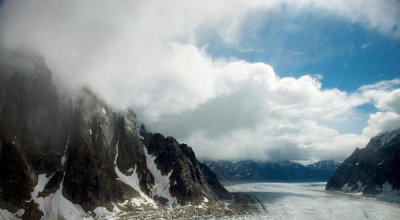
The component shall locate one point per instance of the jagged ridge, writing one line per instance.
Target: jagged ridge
(373, 169)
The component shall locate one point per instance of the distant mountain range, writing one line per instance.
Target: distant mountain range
(272, 171)
(374, 169)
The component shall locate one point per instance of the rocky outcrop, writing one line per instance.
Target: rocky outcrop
(213, 181)
(371, 170)
(79, 153)
(177, 161)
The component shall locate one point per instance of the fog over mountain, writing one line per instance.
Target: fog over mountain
(151, 56)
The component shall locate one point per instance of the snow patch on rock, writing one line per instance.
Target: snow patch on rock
(56, 204)
(347, 188)
(129, 125)
(389, 193)
(7, 215)
(102, 213)
(359, 190)
(64, 158)
(132, 181)
(20, 212)
(137, 201)
(162, 182)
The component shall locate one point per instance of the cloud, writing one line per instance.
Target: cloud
(385, 96)
(363, 46)
(380, 122)
(144, 55)
(392, 101)
(261, 114)
(382, 85)
(278, 139)
(383, 16)
(297, 53)
(389, 101)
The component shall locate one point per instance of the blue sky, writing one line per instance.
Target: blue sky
(346, 54)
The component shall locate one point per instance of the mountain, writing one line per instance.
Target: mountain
(372, 170)
(63, 157)
(272, 171)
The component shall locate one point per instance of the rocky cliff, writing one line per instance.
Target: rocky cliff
(373, 169)
(73, 158)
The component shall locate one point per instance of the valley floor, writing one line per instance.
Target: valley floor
(310, 201)
(280, 200)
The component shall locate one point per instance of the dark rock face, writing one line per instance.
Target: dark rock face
(90, 178)
(213, 181)
(53, 184)
(33, 128)
(282, 171)
(74, 144)
(368, 169)
(14, 176)
(188, 182)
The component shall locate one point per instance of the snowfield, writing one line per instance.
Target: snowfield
(310, 201)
